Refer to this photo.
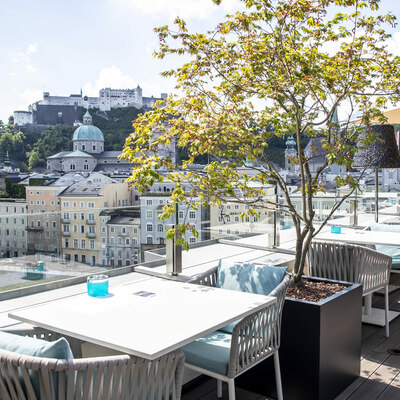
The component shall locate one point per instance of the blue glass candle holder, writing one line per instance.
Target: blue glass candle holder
(97, 285)
(336, 229)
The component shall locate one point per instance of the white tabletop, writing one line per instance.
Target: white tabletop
(362, 237)
(146, 319)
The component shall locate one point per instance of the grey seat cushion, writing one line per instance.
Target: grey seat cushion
(210, 352)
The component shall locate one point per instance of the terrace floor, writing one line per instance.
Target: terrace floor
(380, 371)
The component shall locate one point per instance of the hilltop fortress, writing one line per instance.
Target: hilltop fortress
(54, 110)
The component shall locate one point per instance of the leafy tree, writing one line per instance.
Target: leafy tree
(51, 141)
(15, 190)
(35, 160)
(279, 67)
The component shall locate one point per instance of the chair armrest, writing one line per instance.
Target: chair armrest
(207, 278)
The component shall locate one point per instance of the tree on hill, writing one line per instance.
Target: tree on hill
(51, 141)
(116, 125)
(278, 68)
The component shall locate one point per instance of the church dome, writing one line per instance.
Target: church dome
(88, 132)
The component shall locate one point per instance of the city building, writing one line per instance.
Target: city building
(88, 152)
(43, 218)
(54, 110)
(13, 220)
(120, 240)
(81, 225)
(153, 229)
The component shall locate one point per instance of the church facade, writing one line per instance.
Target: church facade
(88, 152)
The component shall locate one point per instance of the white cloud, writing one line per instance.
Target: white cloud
(23, 57)
(19, 57)
(30, 68)
(32, 48)
(198, 9)
(111, 77)
(29, 96)
(13, 74)
(394, 44)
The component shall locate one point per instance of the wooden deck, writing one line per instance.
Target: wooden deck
(380, 370)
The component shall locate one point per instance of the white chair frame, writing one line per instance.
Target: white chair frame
(246, 352)
(353, 263)
(99, 378)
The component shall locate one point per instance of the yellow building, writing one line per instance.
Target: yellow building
(43, 219)
(81, 226)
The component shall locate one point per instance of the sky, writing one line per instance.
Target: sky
(63, 46)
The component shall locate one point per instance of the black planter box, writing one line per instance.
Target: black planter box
(320, 349)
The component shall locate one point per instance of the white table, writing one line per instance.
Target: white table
(148, 318)
(374, 316)
(362, 237)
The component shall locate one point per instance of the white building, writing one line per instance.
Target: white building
(13, 223)
(108, 98)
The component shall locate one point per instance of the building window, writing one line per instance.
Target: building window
(82, 204)
(192, 214)
(83, 244)
(76, 243)
(82, 216)
(90, 204)
(74, 205)
(149, 214)
(65, 228)
(149, 202)
(91, 244)
(192, 240)
(65, 204)
(149, 240)
(66, 243)
(160, 228)
(75, 228)
(180, 214)
(149, 227)
(82, 228)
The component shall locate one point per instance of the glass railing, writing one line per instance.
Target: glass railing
(47, 248)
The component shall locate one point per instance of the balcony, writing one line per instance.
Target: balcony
(124, 234)
(65, 220)
(91, 222)
(91, 235)
(375, 378)
(34, 228)
(375, 364)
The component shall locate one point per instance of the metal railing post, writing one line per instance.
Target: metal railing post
(353, 213)
(173, 253)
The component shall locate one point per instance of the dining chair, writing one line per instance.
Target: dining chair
(25, 377)
(352, 263)
(229, 352)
